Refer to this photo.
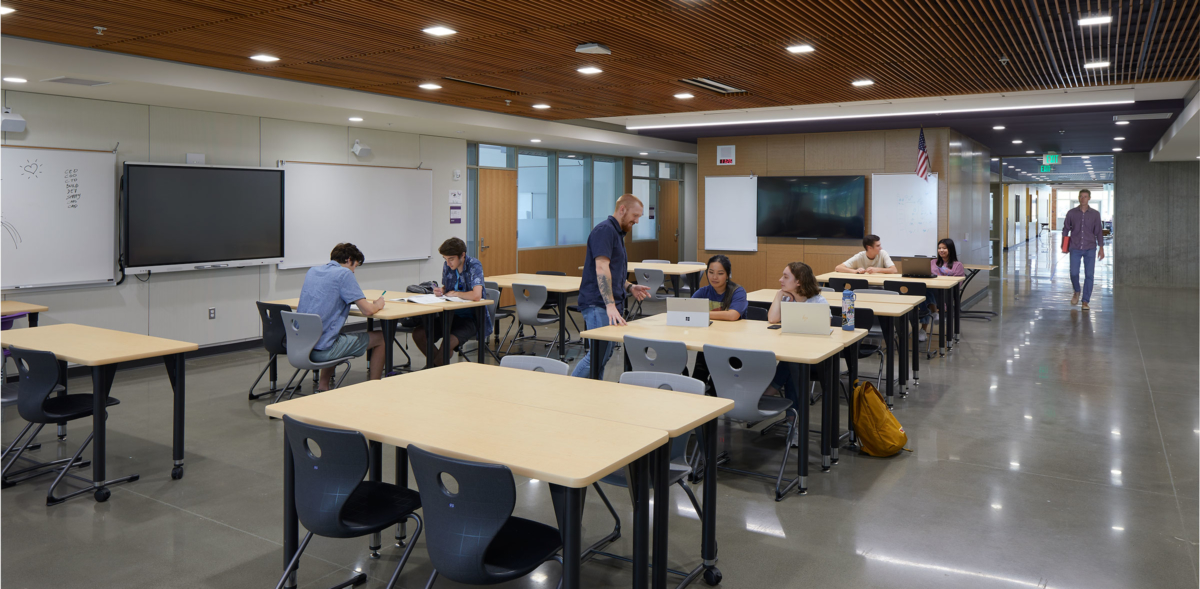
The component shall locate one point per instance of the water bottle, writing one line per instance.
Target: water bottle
(848, 310)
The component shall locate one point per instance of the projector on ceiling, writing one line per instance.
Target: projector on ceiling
(13, 122)
(594, 48)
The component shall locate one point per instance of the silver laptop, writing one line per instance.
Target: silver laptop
(806, 318)
(913, 267)
(687, 312)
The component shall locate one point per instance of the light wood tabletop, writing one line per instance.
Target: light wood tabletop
(93, 346)
(750, 335)
(14, 307)
(677, 413)
(940, 282)
(551, 282)
(668, 269)
(983, 267)
(862, 298)
(395, 309)
(553, 446)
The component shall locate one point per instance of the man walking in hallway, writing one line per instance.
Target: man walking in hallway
(1086, 243)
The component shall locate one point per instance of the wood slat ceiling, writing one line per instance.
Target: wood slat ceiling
(524, 49)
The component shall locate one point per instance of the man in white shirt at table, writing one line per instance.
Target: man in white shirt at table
(872, 260)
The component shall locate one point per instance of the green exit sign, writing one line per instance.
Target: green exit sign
(1045, 168)
(1049, 158)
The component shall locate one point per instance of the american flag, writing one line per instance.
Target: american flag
(922, 158)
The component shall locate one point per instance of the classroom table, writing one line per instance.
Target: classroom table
(943, 287)
(560, 287)
(802, 350)
(14, 307)
(674, 272)
(972, 270)
(886, 308)
(102, 350)
(394, 311)
(567, 451)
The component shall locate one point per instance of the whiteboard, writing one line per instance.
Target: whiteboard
(386, 212)
(731, 213)
(904, 213)
(59, 217)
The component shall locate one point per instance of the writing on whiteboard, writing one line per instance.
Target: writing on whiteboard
(71, 177)
(30, 169)
(12, 232)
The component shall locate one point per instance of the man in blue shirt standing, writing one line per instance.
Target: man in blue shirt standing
(329, 291)
(605, 270)
(1086, 234)
(462, 277)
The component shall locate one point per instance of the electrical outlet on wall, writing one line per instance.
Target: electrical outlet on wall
(212, 312)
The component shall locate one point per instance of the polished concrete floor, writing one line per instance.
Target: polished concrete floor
(1051, 448)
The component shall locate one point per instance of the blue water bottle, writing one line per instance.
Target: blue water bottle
(848, 310)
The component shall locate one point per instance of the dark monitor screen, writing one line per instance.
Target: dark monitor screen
(201, 215)
(831, 207)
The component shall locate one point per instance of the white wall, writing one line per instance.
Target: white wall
(175, 305)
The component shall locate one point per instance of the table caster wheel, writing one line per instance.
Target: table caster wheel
(102, 494)
(177, 472)
(712, 576)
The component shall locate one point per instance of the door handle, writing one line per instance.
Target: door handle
(483, 247)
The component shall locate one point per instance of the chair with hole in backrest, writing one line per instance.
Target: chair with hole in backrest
(333, 500)
(470, 532)
(530, 300)
(651, 355)
(536, 364)
(303, 330)
(274, 341)
(914, 289)
(685, 286)
(756, 314)
(553, 305)
(653, 279)
(840, 284)
(743, 376)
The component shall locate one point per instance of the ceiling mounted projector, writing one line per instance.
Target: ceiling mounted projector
(360, 150)
(593, 48)
(13, 122)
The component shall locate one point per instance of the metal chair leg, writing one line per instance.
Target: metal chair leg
(295, 559)
(408, 550)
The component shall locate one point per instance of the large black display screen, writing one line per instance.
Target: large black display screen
(812, 206)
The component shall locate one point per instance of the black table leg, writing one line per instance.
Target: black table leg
(827, 426)
(904, 345)
(852, 368)
(662, 499)
(914, 321)
(887, 324)
(957, 311)
(802, 373)
(375, 475)
(480, 338)
(428, 320)
(562, 326)
(597, 352)
(291, 522)
(62, 380)
(675, 284)
(33, 319)
(402, 482)
(640, 485)
(102, 379)
(175, 372)
(389, 336)
(447, 322)
(834, 379)
(708, 525)
(941, 298)
(568, 509)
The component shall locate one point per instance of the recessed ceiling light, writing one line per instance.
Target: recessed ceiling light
(570, 156)
(430, 86)
(439, 31)
(643, 153)
(998, 128)
(541, 106)
(1095, 20)
(1030, 151)
(800, 49)
(1118, 138)
(535, 140)
(1116, 149)
(1017, 142)
(261, 57)
(1085, 156)
(589, 70)
(862, 82)
(1095, 64)
(356, 119)
(1122, 122)
(16, 80)
(995, 159)
(683, 95)
(7, 10)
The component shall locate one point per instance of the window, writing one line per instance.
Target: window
(535, 209)
(643, 169)
(606, 187)
(574, 198)
(495, 156)
(647, 190)
(670, 171)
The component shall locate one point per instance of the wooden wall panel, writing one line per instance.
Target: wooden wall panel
(785, 155)
(559, 259)
(844, 151)
(778, 256)
(641, 250)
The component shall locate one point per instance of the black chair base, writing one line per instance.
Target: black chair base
(274, 389)
(360, 578)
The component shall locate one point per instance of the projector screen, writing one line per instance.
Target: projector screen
(178, 217)
(832, 207)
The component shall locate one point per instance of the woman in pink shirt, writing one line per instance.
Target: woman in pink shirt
(946, 264)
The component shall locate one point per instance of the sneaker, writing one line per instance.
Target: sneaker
(921, 336)
(1086, 307)
(1075, 299)
(935, 318)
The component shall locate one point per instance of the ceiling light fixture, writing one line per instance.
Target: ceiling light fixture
(1122, 122)
(589, 70)
(802, 48)
(862, 82)
(1029, 151)
(1118, 138)
(1100, 19)
(7, 10)
(1116, 149)
(356, 119)
(1017, 142)
(643, 153)
(535, 140)
(262, 57)
(998, 128)
(16, 80)
(995, 159)
(541, 106)
(1095, 64)
(684, 95)
(439, 31)
(430, 86)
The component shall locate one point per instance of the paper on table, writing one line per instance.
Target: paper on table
(425, 299)
(454, 299)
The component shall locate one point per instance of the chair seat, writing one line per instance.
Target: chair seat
(519, 547)
(375, 506)
(769, 406)
(71, 406)
(314, 365)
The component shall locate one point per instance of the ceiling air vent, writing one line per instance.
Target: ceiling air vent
(708, 84)
(76, 81)
(480, 85)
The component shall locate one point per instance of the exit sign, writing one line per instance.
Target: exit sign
(1045, 168)
(1049, 158)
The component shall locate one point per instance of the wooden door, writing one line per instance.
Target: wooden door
(498, 224)
(668, 220)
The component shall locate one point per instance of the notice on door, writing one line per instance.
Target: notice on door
(651, 213)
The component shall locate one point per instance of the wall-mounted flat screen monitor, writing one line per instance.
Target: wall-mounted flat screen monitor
(830, 207)
(181, 217)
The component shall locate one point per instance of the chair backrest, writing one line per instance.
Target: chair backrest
(325, 478)
(652, 278)
(827, 289)
(840, 284)
(904, 287)
(651, 355)
(670, 382)
(491, 285)
(39, 374)
(6, 322)
(656, 261)
(460, 523)
(693, 264)
(864, 318)
(302, 330)
(536, 364)
(493, 295)
(884, 292)
(756, 313)
(741, 376)
(530, 298)
(274, 338)
(551, 273)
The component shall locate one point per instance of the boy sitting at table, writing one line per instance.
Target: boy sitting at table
(329, 291)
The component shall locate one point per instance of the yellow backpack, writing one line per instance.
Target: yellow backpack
(878, 431)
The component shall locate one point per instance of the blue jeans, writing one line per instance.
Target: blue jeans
(930, 300)
(594, 318)
(784, 381)
(1089, 267)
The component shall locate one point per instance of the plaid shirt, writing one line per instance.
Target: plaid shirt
(469, 275)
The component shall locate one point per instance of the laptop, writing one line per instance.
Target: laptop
(687, 312)
(806, 318)
(913, 267)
